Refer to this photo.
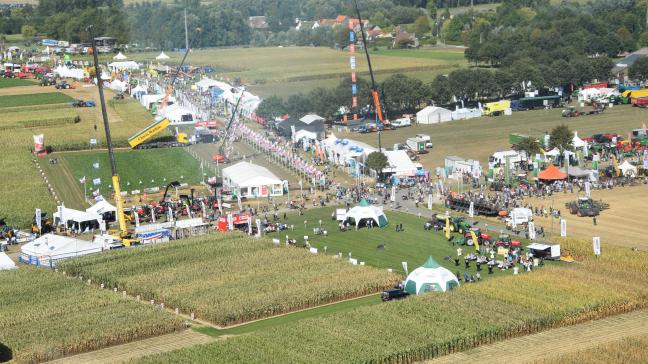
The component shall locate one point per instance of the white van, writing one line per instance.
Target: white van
(399, 123)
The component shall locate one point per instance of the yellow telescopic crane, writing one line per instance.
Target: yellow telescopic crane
(124, 235)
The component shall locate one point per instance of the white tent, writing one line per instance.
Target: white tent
(104, 209)
(433, 115)
(126, 65)
(147, 100)
(341, 150)
(431, 277)
(6, 262)
(120, 57)
(75, 73)
(162, 56)
(207, 83)
(304, 134)
(628, 169)
(49, 248)
(178, 114)
(399, 163)
(117, 85)
(578, 142)
(464, 113)
(364, 211)
(138, 91)
(76, 219)
(252, 180)
(553, 153)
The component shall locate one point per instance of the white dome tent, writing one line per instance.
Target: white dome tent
(162, 56)
(628, 169)
(120, 57)
(364, 211)
(431, 277)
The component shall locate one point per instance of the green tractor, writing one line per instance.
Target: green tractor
(457, 224)
(584, 207)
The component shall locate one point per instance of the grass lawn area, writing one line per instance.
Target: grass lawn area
(34, 99)
(151, 167)
(413, 246)
(13, 82)
(456, 55)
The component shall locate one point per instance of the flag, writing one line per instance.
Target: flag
(82, 179)
(96, 181)
(532, 233)
(404, 264)
(38, 218)
(596, 242)
(563, 228)
(471, 210)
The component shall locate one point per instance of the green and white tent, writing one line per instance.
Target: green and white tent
(365, 211)
(431, 277)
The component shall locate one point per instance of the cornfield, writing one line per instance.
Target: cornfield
(426, 327)
(23, 188)
(45, 315)
(231, 279)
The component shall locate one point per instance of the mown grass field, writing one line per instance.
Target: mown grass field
(153, 167)
(34, 99)
(13, 82)
(46, 315)
(430, 326)
(481, 137)
(23, 187)
(230, 279)
(413, 245)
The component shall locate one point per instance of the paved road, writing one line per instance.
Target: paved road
(127, 352)
(558, 341)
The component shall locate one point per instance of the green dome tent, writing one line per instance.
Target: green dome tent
(431, 277)
(365, 211)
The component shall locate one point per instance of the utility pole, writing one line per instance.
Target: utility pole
(186, 33)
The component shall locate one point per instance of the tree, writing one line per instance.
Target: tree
(271, 108)
(561, 138)
(529, 145)
(432, 9)
(422, 25)
(440, 91)
(28, 32)
(377, 161)
(639, 70)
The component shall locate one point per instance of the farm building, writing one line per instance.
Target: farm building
(399, 164)
(252, 180)
(363, 212)
(431, 277)
(621, 68)
(433, 115)
(48, 249)
(6, 262)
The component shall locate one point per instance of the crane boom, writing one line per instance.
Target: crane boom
(374, 89)
(169, 89)
(229, 124)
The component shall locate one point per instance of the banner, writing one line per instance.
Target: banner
(563, 228)
(169, 214)
(258, 224)
(38, 219)
(136, 218)
(405, 268)
(596, 242)
(59, 209)
(429, 202)
(471, 210)
(588, 189)
(230, 222)
(532, 232)
(392, 196)
(39, 143)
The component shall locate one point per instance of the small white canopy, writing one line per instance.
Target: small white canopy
(301, 134)
(207, 83)
(433, 115)
(553, 153)
(65, 72)
(117, 85)
(6, 262)
(162, 56)
(101, 208)
(578, 142)
(126, 65)
(120, 57)
(178, 114)
(364, 211)
(628, 169)
(138, 90)
(341, 150)
(74, 216)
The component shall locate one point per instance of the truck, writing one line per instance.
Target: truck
(640, 101)
(426, 138)
(416, 144)
(402, 122)
(496, 108)
(538, 102)
(628, 95)
(499, 158)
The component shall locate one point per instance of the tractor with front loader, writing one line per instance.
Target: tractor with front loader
(584, 207)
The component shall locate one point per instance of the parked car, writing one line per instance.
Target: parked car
(393, 294)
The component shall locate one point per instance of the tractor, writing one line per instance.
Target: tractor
(457, 224)
(46, 225)
(585, 207)
(467, 238)
(47, 81)
(506, 241)
(63, 85)
(82, 103)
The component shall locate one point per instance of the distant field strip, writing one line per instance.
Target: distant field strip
(34, 99)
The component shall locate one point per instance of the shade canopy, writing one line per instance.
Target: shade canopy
(552, 173)
(162, 56)
(101, 208)
(628, 169)
(431, 277)
(364, 211)
(120, 57)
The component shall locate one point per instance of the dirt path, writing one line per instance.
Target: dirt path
(556, 341)
(137, 349)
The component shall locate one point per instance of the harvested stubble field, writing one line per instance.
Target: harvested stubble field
(23, 187)
(231, 279)
(481, 137)
(623, 351)
(624, 223)
(46, 315)
(430, 326)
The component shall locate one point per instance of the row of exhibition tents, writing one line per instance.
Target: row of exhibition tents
(223, 92)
